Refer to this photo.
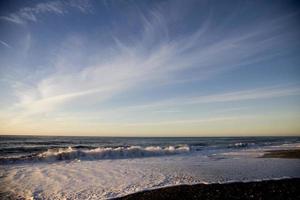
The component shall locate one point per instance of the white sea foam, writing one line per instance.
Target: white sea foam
(108, 172)
(108, 178)
(60, 154)
(111, 153)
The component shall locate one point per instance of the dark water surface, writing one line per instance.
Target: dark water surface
(33, 148)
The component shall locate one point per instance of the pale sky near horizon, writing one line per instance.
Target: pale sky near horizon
(150, 68)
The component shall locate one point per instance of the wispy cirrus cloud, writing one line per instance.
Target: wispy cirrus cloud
(236, 96)
(5, 44)
(134, 63)
(31, 14)
(187, 121)
(84, 74)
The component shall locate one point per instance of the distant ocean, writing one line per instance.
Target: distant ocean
(48, 148)
(106, 167)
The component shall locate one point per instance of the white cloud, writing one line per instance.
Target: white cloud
(13, 18)
(31, 14)
(5, 44)
(134, 64)
(236, 96)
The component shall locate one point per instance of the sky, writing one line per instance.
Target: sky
(150, 68)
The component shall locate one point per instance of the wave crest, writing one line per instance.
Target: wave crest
(100, 153)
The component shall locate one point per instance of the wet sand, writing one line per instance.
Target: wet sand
(287, 189)
(292, 154)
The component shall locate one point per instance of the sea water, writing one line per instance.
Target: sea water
(34, 167)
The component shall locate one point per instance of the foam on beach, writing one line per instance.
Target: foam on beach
(102, 179)
(107, 172)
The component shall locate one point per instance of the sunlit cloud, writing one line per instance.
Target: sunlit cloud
(87, 71)
(134, 64)
(243, 95)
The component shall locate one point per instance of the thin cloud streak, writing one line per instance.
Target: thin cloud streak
(5, 44)
(187, 121)
(31, 14)
(242, 95)
(90, 75)
(134, 64)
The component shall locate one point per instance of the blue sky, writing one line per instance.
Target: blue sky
(150, 68)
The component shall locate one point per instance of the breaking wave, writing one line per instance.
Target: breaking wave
(70, 153)
(240, 145)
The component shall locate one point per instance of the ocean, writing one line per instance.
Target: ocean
(52, 167)
(16, 149)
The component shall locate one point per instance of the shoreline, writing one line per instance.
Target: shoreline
(208, 191)
(285, 153)
(195, 176)
(287, 188)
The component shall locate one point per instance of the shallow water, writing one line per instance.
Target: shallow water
(18, 149)
(120, 166)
